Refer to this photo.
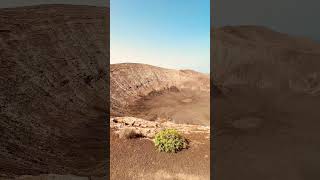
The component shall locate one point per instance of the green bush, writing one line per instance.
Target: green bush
(169, 140)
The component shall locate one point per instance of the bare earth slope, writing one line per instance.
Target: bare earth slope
(267, 120)
(53, 89)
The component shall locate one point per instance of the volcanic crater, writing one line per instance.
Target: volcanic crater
(159, 94)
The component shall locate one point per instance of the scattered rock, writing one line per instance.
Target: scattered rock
(127, 126)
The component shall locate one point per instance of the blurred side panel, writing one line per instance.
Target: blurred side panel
(54, 92)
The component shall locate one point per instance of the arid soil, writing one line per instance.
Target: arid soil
(54, 79)
(138, 159)
(162, 98)
(267, 121)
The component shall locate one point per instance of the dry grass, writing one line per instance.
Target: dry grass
(129, 133)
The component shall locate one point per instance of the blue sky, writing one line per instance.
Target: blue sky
(167, 33)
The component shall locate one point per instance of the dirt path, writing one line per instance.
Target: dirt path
(138, 159)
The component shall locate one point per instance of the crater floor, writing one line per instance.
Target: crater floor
(183, 107)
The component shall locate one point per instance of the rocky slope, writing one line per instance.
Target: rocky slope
(262, 58)
(53, 93)
(153, 93)
(129, 82)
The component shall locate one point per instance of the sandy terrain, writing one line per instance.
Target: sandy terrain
(138, 159)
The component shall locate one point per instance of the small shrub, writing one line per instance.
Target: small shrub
(129, 133)
(169, 140)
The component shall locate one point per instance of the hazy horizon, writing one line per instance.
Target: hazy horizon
(162, 33)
